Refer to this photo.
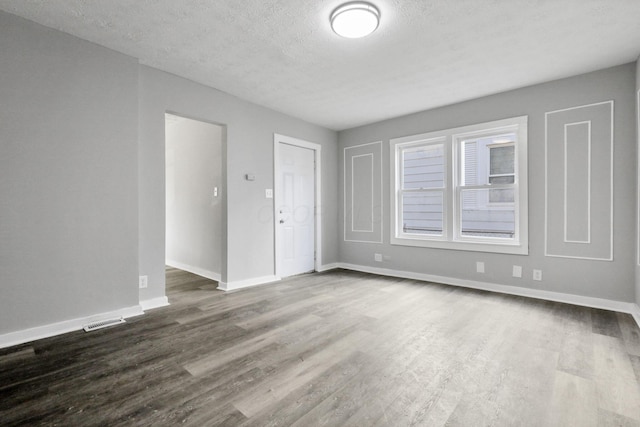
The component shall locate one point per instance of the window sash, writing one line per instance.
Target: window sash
(493, 217)
(491, 210)
(402, 151)
(414, 148)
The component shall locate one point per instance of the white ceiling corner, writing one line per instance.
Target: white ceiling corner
(283, 55)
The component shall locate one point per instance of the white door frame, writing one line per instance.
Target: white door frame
(317, 236)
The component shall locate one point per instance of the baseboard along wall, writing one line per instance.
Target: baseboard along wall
(241, 284)
(58, 328)
(46, 331)
(152, 303)
(192, 269)
(600, 303)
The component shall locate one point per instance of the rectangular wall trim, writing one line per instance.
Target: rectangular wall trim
(366, 161)
(572, 161)
(363, 213)
(579, 145)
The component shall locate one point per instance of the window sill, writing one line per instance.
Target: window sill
(499, 248)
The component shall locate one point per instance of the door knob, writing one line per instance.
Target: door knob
(282, 221)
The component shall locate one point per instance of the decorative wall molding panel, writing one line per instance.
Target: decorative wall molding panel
(579, 182)
(363, 193)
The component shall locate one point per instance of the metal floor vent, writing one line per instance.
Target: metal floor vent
(103, 324)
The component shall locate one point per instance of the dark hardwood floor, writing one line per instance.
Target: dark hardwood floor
(335, 349)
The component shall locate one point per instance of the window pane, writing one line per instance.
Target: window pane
(502, 195)
(480, 219)
(502, 160)
(422, 213)
(472, 175)
(423, 167)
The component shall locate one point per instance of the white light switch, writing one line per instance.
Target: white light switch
(479, 267)
(268, 193)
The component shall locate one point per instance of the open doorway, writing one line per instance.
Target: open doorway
(193, 161)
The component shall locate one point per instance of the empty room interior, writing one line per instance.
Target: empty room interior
(300, 212)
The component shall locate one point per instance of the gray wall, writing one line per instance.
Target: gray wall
(82, 191)
(604, 279)
(68, 177)
(247, 148)
(194, 212)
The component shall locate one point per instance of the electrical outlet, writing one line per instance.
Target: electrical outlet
(377, 257)
(537, 275)
(143, 281)
(268, 193)
(480, 267)
(517, 271)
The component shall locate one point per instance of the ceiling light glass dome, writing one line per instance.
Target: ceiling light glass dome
(354, 20)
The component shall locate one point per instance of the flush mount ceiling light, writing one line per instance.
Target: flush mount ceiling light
(354, 20)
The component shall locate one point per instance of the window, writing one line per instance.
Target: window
(462, 188)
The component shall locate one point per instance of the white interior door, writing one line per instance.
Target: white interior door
(295, 210)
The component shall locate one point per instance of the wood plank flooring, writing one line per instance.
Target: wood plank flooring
(333, 349)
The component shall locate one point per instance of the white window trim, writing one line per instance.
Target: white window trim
(451, 238)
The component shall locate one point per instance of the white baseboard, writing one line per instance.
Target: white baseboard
(240, 284)
(635, 312)
(601, 303)
(150, 304)
(195, 270)
(328, 267)
(46, 331)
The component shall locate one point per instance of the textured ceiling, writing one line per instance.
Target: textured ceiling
(282, 54)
